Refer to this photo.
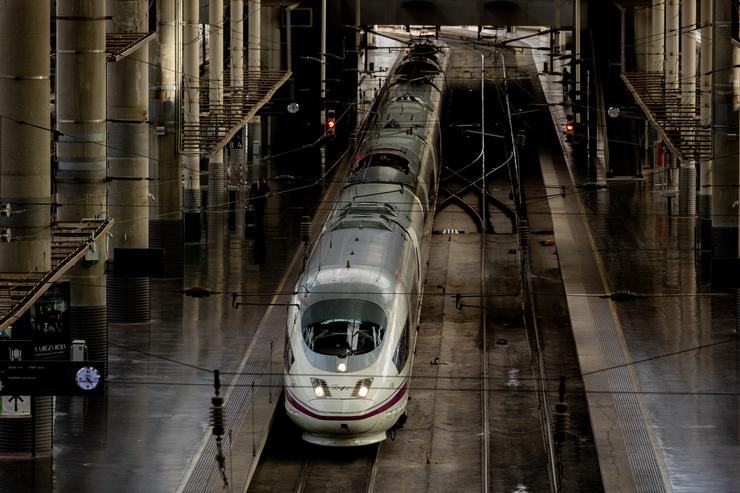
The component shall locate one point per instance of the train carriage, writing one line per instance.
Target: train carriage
(352, 321)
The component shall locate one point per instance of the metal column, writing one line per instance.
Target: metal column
(724, 147)
(166, 227)
(191, 114)
(128, 163)
(216, 184)
(25, 180)
(81, 150)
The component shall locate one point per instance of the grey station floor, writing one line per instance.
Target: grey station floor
(662, 373)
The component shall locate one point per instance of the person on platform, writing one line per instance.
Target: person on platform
(258, 194)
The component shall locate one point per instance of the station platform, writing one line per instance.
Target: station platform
(660, 370)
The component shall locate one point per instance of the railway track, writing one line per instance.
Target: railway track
(451, 442)
(290, 464)
(340, 469)
(494, 67)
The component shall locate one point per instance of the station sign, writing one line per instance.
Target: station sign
(45, 325)
(15, 405)
(24, 378)
(237, 141)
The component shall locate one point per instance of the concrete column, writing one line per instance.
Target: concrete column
(235, 157)
(81, 151)
(576, 69)
(254, 39)
(237, 45)
(672, 35)
(165, 227)
(24, 149)
(642, 37)
(704, 200)
(657, 36)
(688, 52)
(191, 95)
(687, 174)
(26, 181)
(271, 35)
(254, 66)
(725, 147)
(216, 184)
(128, 163)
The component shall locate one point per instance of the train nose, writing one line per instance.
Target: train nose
(334, 416)
(345, 415)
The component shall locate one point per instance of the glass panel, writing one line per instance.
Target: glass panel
(343, 327)
(402, 350)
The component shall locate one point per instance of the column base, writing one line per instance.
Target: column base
(725, 262)
(192, 227)
(29, 437)
(90, 323)
(168, 234)
(128, 299)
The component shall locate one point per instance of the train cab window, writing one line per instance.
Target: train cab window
(408, 97)
(360, 223)
(343, 327)
(363, 208)
(385, 159)
(416, 69)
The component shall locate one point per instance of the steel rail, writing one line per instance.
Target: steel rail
(530, 317)
(485, 445)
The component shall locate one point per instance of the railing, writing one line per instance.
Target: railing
(675, 121)
(69, 243)
(219, 123)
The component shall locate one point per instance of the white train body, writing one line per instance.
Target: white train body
(352, 323)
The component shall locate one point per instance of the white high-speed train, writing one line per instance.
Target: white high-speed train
(352, 323)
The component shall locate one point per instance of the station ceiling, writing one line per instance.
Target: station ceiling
(467, 12)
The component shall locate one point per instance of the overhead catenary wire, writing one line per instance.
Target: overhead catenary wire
(472, 378)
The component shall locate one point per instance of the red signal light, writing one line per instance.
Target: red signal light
(331, 121)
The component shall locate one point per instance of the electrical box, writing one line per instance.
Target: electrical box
(78, 350)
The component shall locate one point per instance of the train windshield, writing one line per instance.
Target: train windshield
(343, 327)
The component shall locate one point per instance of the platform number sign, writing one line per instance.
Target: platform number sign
(735, 28)
(237, 141)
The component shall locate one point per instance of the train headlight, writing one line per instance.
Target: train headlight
(363, 391)
(318, 387)
(342, 367)
(362, 388)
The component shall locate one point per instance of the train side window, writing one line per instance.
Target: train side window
(402, 350)
(288, 358)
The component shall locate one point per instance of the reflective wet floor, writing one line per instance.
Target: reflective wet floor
(682, 335)
(142, 435)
